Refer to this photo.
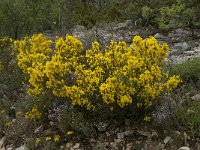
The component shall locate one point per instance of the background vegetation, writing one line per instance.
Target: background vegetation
(25, 17)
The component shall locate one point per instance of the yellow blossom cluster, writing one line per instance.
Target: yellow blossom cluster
(118, 75)
(34, 114)
(33, 54)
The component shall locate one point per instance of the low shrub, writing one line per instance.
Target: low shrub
(189, 71)
(74, 92)
(187, 119)
(117, 76)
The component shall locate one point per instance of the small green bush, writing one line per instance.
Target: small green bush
(187, 119)
(189, 71)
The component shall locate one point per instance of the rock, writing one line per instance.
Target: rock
(196, 97)
(129, 146)
(189, 53)
(3, 148)
(154, 134)
(179, 35)
(21, 148)
(113, 145)
(2, 142)
(168, 139)
(76, 146)
(179, 59)
(107, 134)
(145, 133)
(181, 46)
(101, 126)
(182, 32)
(197, 146)
(62, 147)
(79, 32)
(197, 50)
(175, 52)
(184, 148)
(121, 135)
(116, 144)
(69, 145)
(190, 111)
(123, 25)
(118, 141)
(78, 28)
(160, 37)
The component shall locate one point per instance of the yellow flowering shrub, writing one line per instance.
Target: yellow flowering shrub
(118, 75)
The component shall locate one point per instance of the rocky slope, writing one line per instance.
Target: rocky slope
(183, 45)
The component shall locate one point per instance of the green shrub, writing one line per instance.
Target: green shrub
(189, 71)
(10, 82)
(187, 119)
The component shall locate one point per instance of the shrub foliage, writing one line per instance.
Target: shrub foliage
(117, 76)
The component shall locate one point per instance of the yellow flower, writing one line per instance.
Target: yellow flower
(70, 132)
(18, 113)
(56, 138)
(34, 114)
(48, 138)
(37, 141)
(147, 119)
(8, 124)
(2, 111)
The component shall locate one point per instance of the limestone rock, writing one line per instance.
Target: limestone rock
(2, 142)
(21, 148)
(77, 146)
(168, 139)
(196, 97)
(160, 37)
(184, 148)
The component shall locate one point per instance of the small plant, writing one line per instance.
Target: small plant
(189, 71)
(187, 119)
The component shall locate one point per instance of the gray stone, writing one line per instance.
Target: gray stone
(2, 142)
(189, 53)
(181, 31)
(69, 145)
(123, 25)
(79, 28)
(196, 97)
(160, 37)
(181, 46)
(76, 146)
(3, 148)
(167, 139)
(184, 148)
(145, 133)
(121, 135)
(129, 146)
(21, 148)
(102, 126)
